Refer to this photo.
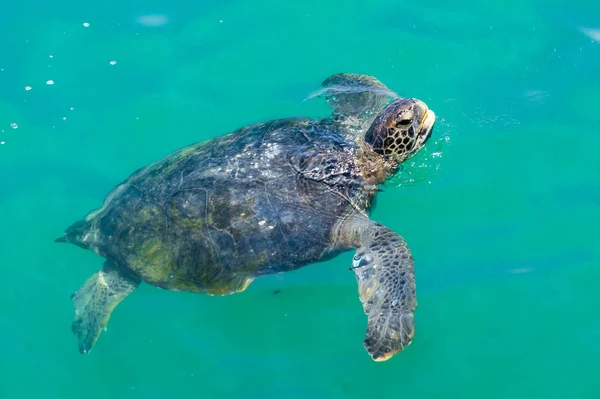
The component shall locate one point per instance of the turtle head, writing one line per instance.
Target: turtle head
(400, 129)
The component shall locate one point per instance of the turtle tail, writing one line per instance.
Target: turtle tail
(76, 234)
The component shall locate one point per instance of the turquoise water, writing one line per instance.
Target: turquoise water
(503, 223)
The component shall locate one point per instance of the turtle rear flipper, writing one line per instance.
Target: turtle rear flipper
(384, 269)
(95, 301)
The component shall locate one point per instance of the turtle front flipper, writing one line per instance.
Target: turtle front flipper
(355, 99)
(384, 269)
(95, 301)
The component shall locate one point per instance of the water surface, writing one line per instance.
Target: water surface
(503, 225)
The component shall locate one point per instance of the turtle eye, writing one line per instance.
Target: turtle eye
(404, 122)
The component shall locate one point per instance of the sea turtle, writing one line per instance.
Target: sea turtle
(268, 198)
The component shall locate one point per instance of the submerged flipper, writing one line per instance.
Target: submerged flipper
(384, 270)
(95, 301)
(355, 99)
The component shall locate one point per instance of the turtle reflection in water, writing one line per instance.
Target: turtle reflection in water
(268, 198)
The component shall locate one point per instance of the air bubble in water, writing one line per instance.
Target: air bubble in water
(14, 125)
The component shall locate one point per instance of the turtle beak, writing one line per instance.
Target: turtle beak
(427, 121)
(427, 125)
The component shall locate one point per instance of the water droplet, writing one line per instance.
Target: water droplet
(14, 125)
(50, 82)
(64, 118)
(221, 21)
(51, 56)
(86, 24)
(27, 88)
(71, 108)
(113, 62)
(2, 142)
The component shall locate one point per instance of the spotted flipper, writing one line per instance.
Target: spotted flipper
(355, 99)
(95, 301)
(384, 270)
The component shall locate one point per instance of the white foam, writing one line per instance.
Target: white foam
(521, 270)
(152, 20)
(593, 34)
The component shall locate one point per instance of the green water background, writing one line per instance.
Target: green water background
(505, 233)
